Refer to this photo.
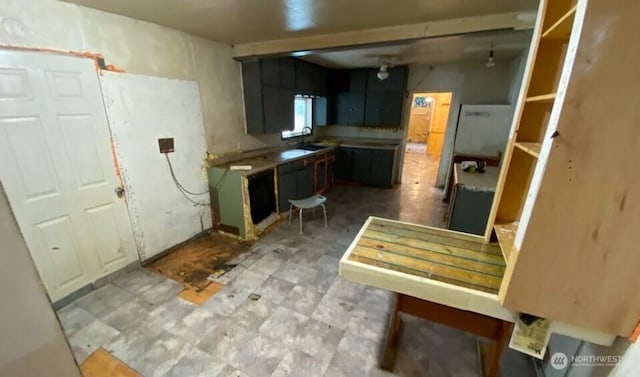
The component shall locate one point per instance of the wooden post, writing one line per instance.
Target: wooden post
(394, 325)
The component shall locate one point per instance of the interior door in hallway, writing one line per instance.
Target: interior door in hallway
(441, 107)
(58, 171)
(420, 118)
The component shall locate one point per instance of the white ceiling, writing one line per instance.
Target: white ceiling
(467, 47)
(243, 21)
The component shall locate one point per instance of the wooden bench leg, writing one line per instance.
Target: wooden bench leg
(394, 325)
(492, 353)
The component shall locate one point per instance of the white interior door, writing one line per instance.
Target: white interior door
(58, 170)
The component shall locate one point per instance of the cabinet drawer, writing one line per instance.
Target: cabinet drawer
(290, 166)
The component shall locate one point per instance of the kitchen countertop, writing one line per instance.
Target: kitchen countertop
(273, 159)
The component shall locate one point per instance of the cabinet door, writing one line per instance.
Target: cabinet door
(358, 80)
(320, 81)
(381, 168)
(286, 190)
(252, 88)
(270, 72)
(373, 111)
(343, 108)
(356, 109)
(361, 167)
(391, 111)
(320, 181)
(278, 109)
(304, 182)
(304, 77)
(342, 167)
(320, 111)
(288, 73)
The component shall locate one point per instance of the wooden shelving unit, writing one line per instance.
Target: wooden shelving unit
(532, 149)
(506, 233)
(562, 28)
(542, 98)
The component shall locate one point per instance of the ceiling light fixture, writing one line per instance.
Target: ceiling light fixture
(383, 74)
(490, 62)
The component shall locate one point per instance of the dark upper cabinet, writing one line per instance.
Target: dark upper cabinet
(270, 72)
(350, 109)
(268, 86)
(278, 109)
(320, 109)
(252, 88)
(384, 98)
(358, 80)
(350, 105)
(288, 73)
(280, 72)
(384, 108)
(311, 79)
(304, 77)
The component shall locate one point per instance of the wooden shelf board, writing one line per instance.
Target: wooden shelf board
(542, 98)
(561, 29)
(532, 149)
(506, 234)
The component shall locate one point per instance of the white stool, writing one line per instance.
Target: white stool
(307, 203)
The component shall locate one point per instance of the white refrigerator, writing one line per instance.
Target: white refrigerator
(482, 129)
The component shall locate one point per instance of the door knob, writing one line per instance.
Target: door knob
(119, 191)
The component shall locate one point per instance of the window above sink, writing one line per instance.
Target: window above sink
(303, 117)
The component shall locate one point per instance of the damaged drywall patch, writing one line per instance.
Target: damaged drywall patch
(98, 59)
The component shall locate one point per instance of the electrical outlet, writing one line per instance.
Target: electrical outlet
(166, 145)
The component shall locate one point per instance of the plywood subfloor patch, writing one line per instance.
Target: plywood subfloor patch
(103, 364)
(192, 264)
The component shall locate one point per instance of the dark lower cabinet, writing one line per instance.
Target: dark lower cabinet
(286, 190)
(361, 165)
(295, 181)
(304, 182)
(342, 167)
(368, 166)
(381, 167)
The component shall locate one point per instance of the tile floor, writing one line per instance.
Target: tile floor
(307, 322)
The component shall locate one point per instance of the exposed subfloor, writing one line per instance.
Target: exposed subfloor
(307, 321)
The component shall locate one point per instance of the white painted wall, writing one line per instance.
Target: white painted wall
(32, 341)
(142, 48)
(142, 109)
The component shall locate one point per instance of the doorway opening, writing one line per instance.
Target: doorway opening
(428, 117)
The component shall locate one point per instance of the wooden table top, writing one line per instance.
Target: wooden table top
(438, 254)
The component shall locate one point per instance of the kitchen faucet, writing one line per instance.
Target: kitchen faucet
(303, 135)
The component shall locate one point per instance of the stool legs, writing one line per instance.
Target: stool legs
(324, 211)
(290, 212)
(300, 220)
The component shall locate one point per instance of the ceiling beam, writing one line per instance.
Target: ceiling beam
(517, 21)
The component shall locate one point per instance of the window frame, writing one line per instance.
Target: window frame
(286, 135)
